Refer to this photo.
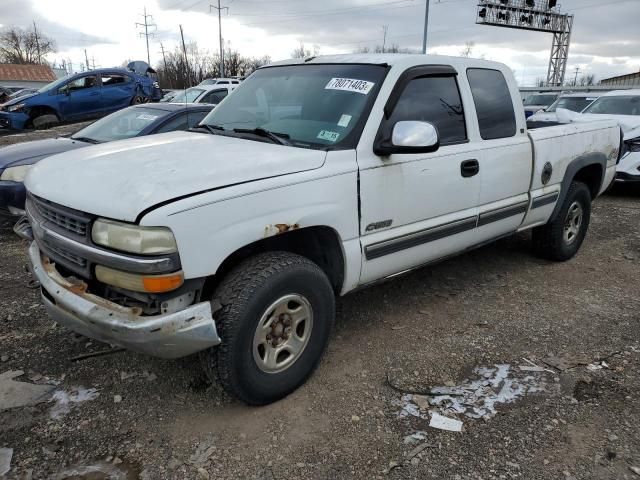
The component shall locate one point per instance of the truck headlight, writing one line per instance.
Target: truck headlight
(133, 238)
(16, 108)
(15, 174)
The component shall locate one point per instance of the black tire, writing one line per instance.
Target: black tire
(245, 296)
(555, 240)
(45, 121)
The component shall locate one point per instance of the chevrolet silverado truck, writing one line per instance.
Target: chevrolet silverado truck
(315, 178)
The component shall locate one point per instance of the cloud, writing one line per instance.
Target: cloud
(22, 14)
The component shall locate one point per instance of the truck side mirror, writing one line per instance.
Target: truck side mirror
(409, 137)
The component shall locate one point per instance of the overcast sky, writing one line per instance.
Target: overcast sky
(605, 41)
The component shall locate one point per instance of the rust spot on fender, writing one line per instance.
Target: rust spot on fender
(279, 228)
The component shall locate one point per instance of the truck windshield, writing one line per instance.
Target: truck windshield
(618, 105)
(575, 104)
(311, 106)
(540, 100)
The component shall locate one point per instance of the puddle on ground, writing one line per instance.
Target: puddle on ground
(477, 398)
(66, 399)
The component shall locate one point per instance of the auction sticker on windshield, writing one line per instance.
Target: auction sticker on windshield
(328, 136)
(350, 85)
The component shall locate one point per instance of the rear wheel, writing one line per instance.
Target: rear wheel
(276, 315)
(562, 237)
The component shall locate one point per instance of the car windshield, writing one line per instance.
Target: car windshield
(618, 105)
(120, 125)
(312, 106)
(208, 81)
(189, 95)
(575, 104)
(54, 85)
(540, 100)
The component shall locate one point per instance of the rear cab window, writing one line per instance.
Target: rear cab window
(494, 105)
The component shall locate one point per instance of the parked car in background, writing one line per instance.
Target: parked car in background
(538, 101)
(167, 95)
(137, 121)
(315, 178)
(85, 95)
(623, 106)
(220, 81)
(6, 92)
(212, 94)
(576, 102)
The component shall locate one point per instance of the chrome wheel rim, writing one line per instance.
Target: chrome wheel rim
(282, 333)
(573, 223)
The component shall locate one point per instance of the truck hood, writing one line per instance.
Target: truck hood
(28, 153)
(120, 180)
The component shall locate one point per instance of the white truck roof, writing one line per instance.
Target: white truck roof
(405, 60)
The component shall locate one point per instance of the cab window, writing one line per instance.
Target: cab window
(435, 100)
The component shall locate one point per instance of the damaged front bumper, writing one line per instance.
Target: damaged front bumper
(167, 336)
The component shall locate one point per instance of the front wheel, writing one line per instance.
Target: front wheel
(277, 312)
(561, 238)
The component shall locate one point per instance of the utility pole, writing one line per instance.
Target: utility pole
(146, 33)
(35, 32)
(219, 9)
(186, 60)
(86, 58)
(575, 81)
(384, 38)
(164, 61)
(426, 27)
(93, 62)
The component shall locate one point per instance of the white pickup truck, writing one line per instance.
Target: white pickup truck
(315, 178)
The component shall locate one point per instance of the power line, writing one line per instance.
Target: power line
(146, 33)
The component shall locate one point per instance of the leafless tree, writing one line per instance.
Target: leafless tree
(302, 52)
(467, 51)
(20, 46)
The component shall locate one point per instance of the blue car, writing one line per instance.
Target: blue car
(81, 96)
(136, 121)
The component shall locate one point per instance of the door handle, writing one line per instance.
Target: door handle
(469, 168)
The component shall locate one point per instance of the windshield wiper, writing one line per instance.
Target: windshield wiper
(212, 129)
(279, 138)
(86, 140)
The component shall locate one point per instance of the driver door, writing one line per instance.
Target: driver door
(416, 208)
(80, 98)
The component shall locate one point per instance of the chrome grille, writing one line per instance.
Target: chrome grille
(62, 217)
(57, 251)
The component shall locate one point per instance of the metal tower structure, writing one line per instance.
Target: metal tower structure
(534, 15)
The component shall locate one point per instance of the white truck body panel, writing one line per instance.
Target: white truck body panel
(391, 213)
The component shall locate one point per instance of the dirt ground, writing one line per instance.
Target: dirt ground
(578, 418)
(9, 137)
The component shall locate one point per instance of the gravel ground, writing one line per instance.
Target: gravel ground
(11, 137)
(157, 419)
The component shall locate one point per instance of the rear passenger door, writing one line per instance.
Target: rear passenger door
(416, 208)
(504, 152)
(117, 91)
